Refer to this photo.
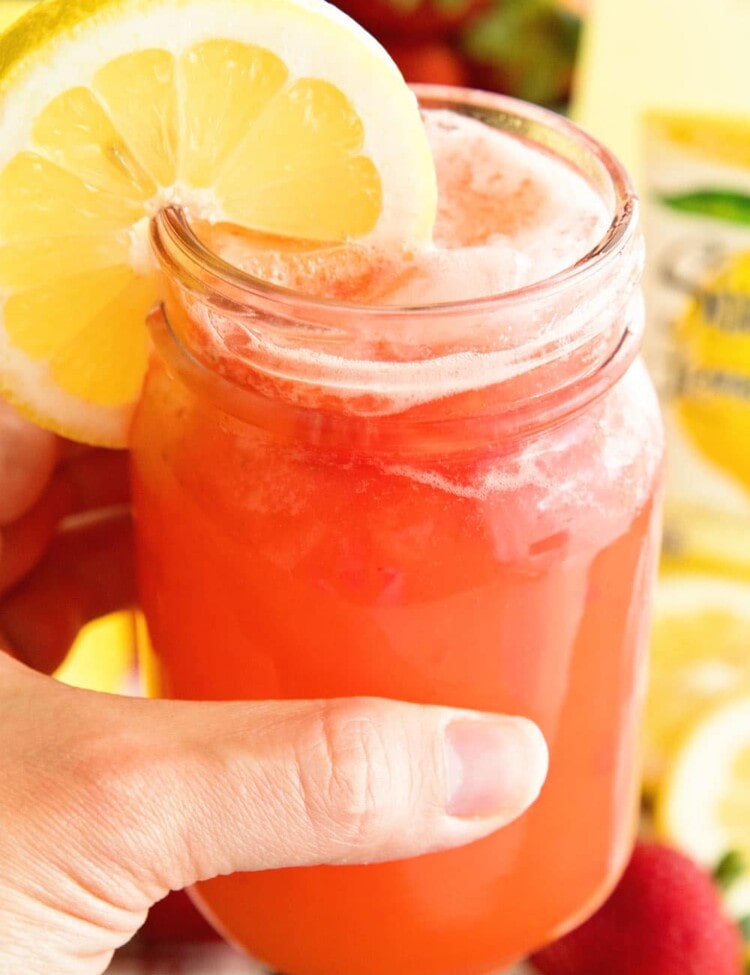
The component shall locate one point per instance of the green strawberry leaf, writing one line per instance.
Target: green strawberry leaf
(729, 869)
(732, 206)
(530, 45)
(451, 6)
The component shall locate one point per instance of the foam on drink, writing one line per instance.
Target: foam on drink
(510, 215)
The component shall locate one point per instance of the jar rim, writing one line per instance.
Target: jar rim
(540, 349)
(184, 255)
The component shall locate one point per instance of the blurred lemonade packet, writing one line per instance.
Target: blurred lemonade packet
(681, 123)
(664, 83)
(696, 188)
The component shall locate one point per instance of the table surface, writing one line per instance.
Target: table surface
(201, 960)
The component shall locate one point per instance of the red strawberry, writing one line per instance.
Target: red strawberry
(423, 18)
(664, 918)
(431, 62)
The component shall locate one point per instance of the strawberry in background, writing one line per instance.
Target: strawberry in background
(413, 18)
(524, 48)
(429, 62)
(665, 917)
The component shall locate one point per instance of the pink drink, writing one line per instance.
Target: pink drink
(454, 505)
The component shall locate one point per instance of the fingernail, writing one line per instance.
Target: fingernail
(495, 767)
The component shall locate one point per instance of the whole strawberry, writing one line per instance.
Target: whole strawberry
(664, 918)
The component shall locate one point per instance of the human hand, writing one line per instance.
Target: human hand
(54, 581)
(107, 803)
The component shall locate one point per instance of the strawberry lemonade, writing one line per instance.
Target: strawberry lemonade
(363, 492)
(389, 430)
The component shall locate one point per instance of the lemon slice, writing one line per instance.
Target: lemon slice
(282, 116)
(11, 10)
(700, 652)
(704, 806)
(103, 655)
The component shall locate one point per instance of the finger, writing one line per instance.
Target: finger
(125, 799)
(89, 481)
(27, 458)
(217, 788)
(87, 572)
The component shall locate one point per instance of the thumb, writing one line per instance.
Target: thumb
(218, 788)
(168, 793)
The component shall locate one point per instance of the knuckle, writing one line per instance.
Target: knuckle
(108, 776)
(347, 774)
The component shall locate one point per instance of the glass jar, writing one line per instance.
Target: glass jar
(455, 504)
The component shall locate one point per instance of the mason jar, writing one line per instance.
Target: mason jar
(455, 504)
